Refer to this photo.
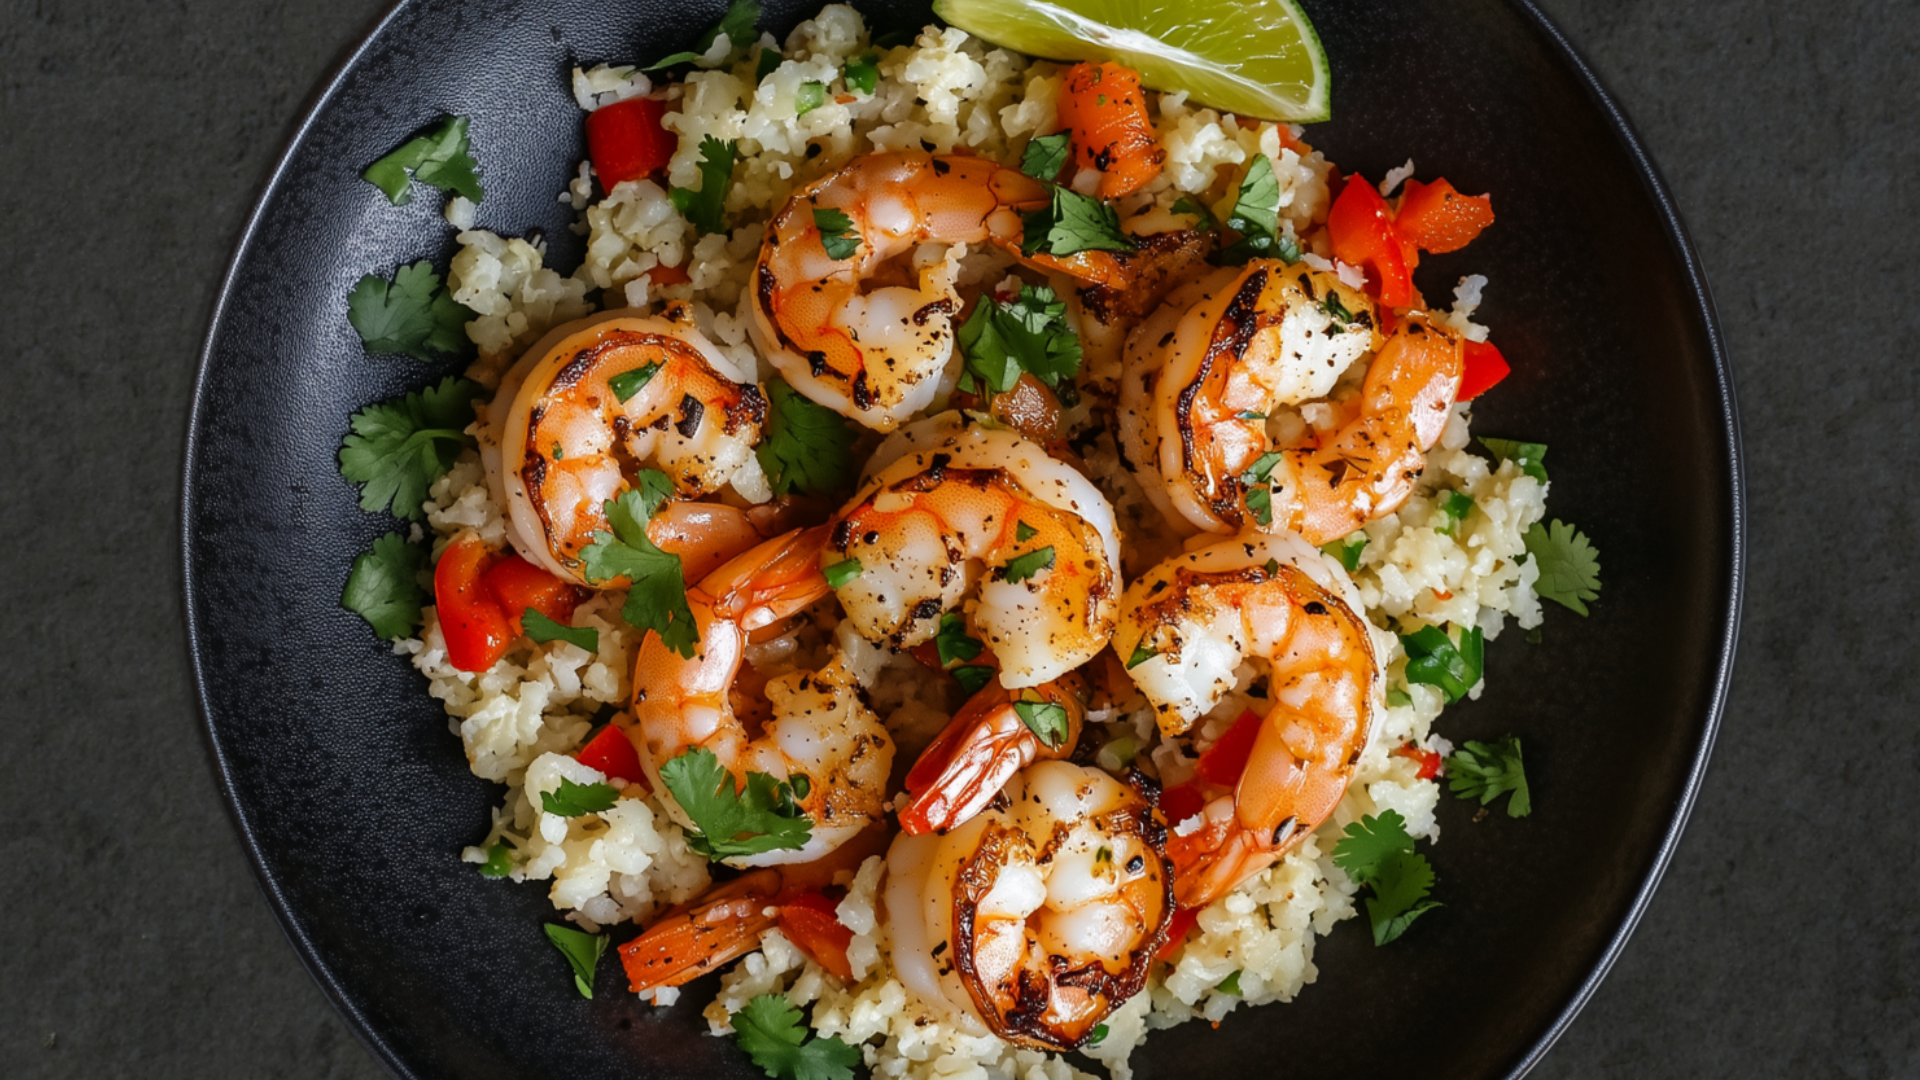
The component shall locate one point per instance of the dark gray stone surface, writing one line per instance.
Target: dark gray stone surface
(133, 941)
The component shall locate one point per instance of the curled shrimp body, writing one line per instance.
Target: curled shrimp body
(1041, 915)
(1189, 623)
(956, 504)
(987, 742)
(590, 402)
(821, 728)
(863, 334)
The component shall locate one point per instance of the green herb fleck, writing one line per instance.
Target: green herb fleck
(952, 643)
(1434, 660)
(1454, 508)
(440, 159)
(1398, 698)
(840, 573)
(1188, 205)
(1528, 457)
(1485, 771)
(413, 315)
(1046, 719)
(1071, 223)
(972, 676)
(541, 630)
(1045, 156)
(837, 233)
(729, 821)
(499, 862)
(1024, 532)
(809, 97)
(1347, 549)
(768, 63)
(628, 383)
(1230, 985)
(1569, 565)
(863, 74)
(1022, 567)
(1141, 654)
(583, 952)
(707, 207)
(384, 586)
(657, 598)
(577, 800)
(738, 24)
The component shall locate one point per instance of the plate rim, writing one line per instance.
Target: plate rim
(1679, 240)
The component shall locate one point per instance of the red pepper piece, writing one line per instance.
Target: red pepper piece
(626, 142)
(518, 585)
(612, 753)
(475, 629)
(1429, 760)
(1181, 803)
(1226, 759)
(1361, 228)
(809, 921)
(1481, 367)
(1435, 218)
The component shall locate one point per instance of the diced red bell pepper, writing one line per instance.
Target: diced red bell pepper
(1181, 803)
(627, 142)
(518, 585)
(1226, 759)
(1360, 225)
(810, 923)
(1429, 760)
(1183, 921)
(476, 630)
(1436, 218)
(612, 753)
(1481, 367)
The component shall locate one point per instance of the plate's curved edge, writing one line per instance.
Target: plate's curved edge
(1736, 507)
(1736, 570)
(290, 925)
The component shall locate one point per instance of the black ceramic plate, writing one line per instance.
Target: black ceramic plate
(354, 801)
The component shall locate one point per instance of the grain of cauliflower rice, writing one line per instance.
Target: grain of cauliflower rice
(1444, 535)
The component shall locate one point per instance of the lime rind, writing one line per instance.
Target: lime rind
(1173, 48)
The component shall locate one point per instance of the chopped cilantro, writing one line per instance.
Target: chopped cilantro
(384, 586)
(1030, 334)
(808, 448)
(1569, 565)
(840, 573)
(583, 952)
(657, 599)
(1378, 853)
(1024, 532)
(1045, 156)
(628, 383)
(1186, 204)
(412, 315)
(811, 95)
(738, 24)
(972, 677)
(1485, 771)
(1528, 457)
(439, 158)
(729, 821)
(707, 207)
(863, 73)
(1259, 493)
(398, 448)
(1230, 985)
(1071, 223)
(837, 233)
(577, 800)
(1099, 1035)
(770, 1031)
(1047, 720)
(1256, 217)
(1398, 698)
(768, 63)
(541, 630)
(1022, 567)
(1336, 309)
(1454, 508)
(1434, 660)
(952, 643)
(1141, 654)
(499, 862)
(1347, 549)
(1249, 414)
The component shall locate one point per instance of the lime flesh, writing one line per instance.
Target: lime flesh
(1253, 57)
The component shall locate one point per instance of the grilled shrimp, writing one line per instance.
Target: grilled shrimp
(593, 399)
(1040, 916)
(954, 504)
(1204, 372)
(1188, 624)
(988, 741)
(821, 729)
(862, 334)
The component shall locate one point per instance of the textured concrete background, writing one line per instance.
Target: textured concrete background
(133, 941)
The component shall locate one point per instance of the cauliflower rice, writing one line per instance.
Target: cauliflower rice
(520, 721)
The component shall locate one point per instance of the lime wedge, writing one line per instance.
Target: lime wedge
(1253, 57)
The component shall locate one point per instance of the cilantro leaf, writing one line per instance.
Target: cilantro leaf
(1259, 493)
(768, 1028)
(1347, 549)
(837, 233)
(1337, 310)
(1047, 720)
(1099, 1035)
(384, 586)
(1530, 457)
(657, 600)
(739, 24)
(1030, 334)
(499, 862)
(1141, 654)
(1230, 985)
(1377, 852)
(439, 158)
(541, 630)
(953, 644)
(398, 448)
(842, 572)
(1569, 565)
(1398, 698)
(1485, 771)
(413, 314)
(1022, 567)
(1024, 532)
(768, 62)
(577, 800)
(1186, 204)
(583, 952)
(1454, 508)
(811, 95)
(1071, 223)
(628, 383)
(863, 74)
(1045, 156)
(729, 821)
(1256, 217)
(1434, 660)
(808, 448)
(707, 207)
(972, 677)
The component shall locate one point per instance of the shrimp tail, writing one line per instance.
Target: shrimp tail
(774, 581)
(694, 939)
(1212, 861)
(964, 769)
